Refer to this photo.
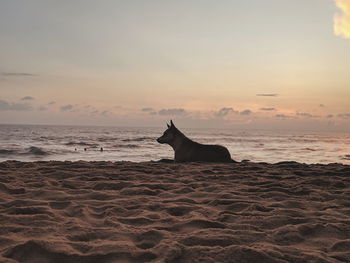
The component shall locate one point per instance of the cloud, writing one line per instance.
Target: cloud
(267, 95)
(245, 112)
(225, 111)
(42, 108)
(17, 74)
(105, 113)
(305, 114)
(267, 109)
(283, 116)
(51, 102)
(322, 105)
(344, 115)
(330, 116)
(147, 109)
(175, 111)
(342, 20)
(27, 98)
(67, 107)
(8, 106)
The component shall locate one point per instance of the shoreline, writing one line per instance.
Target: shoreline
(53, 211)
(179, 163)
(289, 165)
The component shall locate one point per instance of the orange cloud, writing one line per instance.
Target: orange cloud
(342, 21)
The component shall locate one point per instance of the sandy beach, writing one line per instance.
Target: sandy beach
(156, 212)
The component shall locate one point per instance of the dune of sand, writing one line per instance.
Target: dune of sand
(156, 212)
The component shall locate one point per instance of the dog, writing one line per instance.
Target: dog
(187, 150)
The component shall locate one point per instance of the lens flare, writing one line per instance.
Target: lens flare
(342, 21)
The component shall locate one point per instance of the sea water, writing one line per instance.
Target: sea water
(72, 143)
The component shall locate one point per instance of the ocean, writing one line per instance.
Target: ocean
(72, 143)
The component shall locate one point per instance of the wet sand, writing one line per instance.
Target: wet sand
(157, 212)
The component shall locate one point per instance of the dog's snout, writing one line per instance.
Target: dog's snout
(160, 140)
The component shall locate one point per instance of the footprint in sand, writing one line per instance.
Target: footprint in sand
(179, 210)
(148, 239)
(59, 205)
(40, 251)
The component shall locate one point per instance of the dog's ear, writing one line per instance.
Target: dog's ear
(172, 124)
(168, 125)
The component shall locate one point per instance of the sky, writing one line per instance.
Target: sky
(272, 64)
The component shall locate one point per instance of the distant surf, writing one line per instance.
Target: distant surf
(32, 150)
(72, 143)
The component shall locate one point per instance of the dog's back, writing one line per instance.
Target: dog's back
(191, 151)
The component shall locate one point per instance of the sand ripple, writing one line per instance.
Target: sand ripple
(157, 212)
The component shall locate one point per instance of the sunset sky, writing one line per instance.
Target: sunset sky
(237, 64)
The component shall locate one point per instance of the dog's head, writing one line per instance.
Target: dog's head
(169, 134)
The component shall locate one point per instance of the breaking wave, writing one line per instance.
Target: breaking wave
(346, 157)
(126, 146)
(82, 144)
(32, 150)
(36, 151)
(138, 139)
(6, 152)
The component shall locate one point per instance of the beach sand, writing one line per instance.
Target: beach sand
(156, 212)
